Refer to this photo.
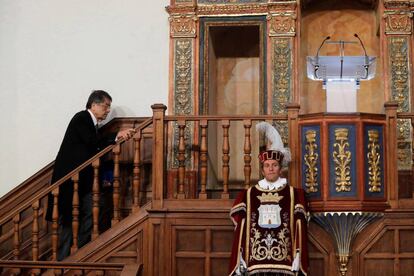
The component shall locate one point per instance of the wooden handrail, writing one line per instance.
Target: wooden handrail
(281, 117)
(48, 190)
(62, 265)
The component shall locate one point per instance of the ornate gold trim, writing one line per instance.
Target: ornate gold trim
(400, 76)
(183, 25)
(231, 9)
(398, 22)
(374, 157)
(281, 74)
(342, 160)
(398, 3)
(311, 160)
(404, 144)
(282, 23)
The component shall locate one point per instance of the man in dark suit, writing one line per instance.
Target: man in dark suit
(82, 140)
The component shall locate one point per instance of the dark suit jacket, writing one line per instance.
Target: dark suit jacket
(81, 142)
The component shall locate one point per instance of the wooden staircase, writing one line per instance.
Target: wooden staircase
(168, 219)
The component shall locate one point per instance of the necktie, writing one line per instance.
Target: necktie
(96, 128)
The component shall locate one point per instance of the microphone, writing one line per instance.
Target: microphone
(362, 44)
(316, 66)
(323, 42)
(366, 56)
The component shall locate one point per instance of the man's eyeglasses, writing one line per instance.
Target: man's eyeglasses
(105, 105)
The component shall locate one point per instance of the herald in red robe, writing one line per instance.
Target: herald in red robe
(270, 225)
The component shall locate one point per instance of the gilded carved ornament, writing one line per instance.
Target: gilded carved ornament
(373, 155)
(282, 24)
(183, 25)
(231, 9)
(342, 160)
(281, 74)
(311, 160)
(398, 22)
(398, 3)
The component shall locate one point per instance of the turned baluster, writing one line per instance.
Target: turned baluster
(55, 225)
(247, 151)
(95, 199)
(35, 231)
(16, 237)
(116, 151)
(226, 159)
(136, 184)
(203, 159)
(35, 236)
(75, 213)
(181, 160)
(16, 242)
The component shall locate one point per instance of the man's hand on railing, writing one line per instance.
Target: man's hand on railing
(125, 134)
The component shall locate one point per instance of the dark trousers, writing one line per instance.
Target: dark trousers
(85, 228)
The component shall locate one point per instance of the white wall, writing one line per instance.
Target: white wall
(54, 52)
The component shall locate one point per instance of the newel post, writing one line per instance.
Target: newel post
(293, 124)
(391, 156)
(158, 162)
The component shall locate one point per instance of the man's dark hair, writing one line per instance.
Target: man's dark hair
(97, 96)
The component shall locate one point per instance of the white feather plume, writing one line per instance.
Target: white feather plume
(275, 140)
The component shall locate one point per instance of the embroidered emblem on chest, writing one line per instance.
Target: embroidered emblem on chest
(269, 210)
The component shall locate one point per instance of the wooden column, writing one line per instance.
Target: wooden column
(75, 213)
(391, 156)
(136, 184)
(247, 153)
(35, 236)
(294, 168)
(181, 159)
(16, 241)
(203, 159)
(55, 225)
(116, 151)
(158, 162)
(226, 159)
(95, 200)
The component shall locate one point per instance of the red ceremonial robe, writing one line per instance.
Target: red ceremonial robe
(270, 226)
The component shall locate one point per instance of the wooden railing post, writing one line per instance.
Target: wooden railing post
(181, 159)
(16, 241)
(226, 159)
(203, 160)
(35, 236)
(136, 183)
(95, 199)
(293, 123)
(116, 151)
(75, 213)
(16, 237)
(158, 163)
(247, 151)
(392, 162)
(55, 224)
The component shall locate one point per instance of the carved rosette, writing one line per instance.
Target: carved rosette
(281, 74)
(282, 23)
(398, 22)
(311, 160)
(404, 144)
(342, 159)
(400, 77)
(374, 168)
(183, 25)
